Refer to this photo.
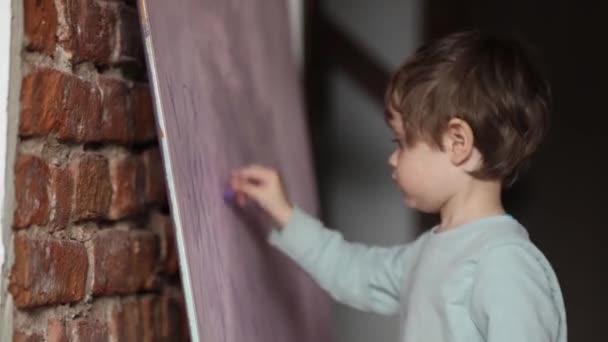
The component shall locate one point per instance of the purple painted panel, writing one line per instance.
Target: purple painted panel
(227, 93)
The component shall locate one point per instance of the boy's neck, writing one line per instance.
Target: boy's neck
(476, 200)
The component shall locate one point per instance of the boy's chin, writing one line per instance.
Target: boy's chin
(412, 203)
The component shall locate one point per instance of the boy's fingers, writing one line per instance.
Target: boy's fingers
(250, 190)
(234, 183)
(255, 174)
(263, 170)
(241, 200)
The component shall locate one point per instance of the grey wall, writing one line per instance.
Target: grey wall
(359, 197)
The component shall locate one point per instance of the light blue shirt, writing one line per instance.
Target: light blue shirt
(482, 281)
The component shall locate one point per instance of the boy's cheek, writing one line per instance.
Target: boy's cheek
(400, 182)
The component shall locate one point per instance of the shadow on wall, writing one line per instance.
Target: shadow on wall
(327, 47)
(561, 197)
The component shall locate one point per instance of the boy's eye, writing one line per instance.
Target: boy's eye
(396, 141)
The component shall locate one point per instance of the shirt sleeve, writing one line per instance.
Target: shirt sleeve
(512, 298)
(366, 278)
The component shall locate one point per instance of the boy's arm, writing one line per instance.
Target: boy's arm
(513, 299)
(367, 278)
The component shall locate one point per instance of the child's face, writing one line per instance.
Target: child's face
(423, 173)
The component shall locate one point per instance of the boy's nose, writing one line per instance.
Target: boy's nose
(392, 160)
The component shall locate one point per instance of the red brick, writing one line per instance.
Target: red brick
(163, 225)
(127, 178)
(171, 260)
(59, 103)
(124, 262)
(87, 330)
(40, 25)
(151, 319)
(112, 273)
(125, 322)
(61, 192)
(128, 115)
(82, 112)
(91, 30)
(174, 316)
(47, 272)
(117, 120)
(156, 192)
(130, 43)
(55, 331)
(145, 251)
(143, 113)
(130, 2)
(93, 190)
(31, 183)
(20, 336)
(41, 102)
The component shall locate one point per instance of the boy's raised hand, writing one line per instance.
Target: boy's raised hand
(262, 185)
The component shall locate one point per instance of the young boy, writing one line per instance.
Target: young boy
(467, 112)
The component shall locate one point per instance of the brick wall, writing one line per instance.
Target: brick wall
(95, 256)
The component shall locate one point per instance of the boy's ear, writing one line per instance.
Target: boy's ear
(459, 141)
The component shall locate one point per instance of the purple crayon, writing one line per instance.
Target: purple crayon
(229, 195)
